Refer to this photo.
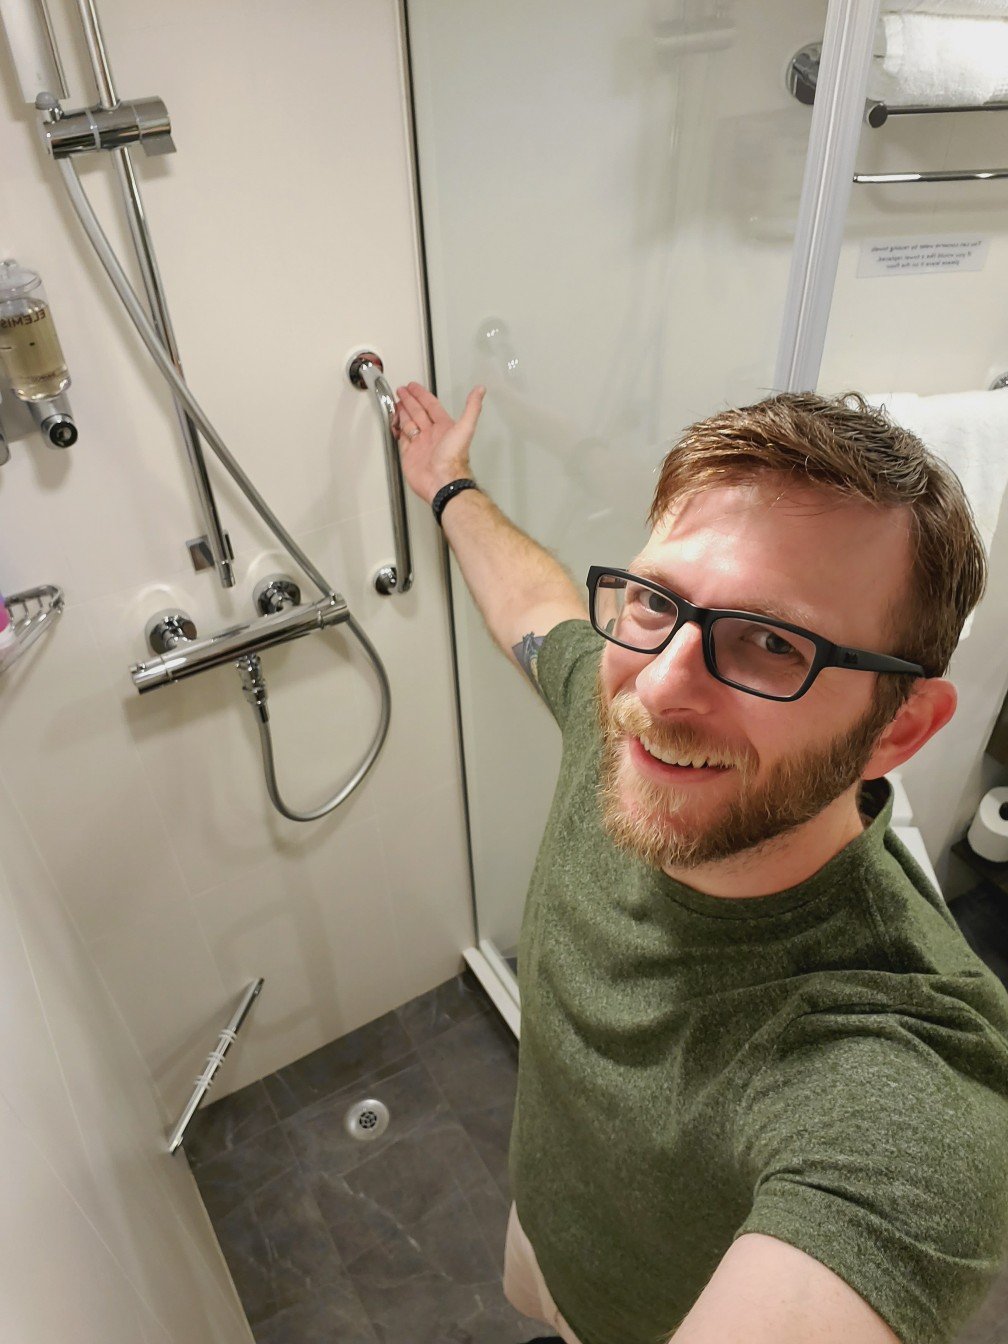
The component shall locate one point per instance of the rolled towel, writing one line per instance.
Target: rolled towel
(969, 432)
(936, 60)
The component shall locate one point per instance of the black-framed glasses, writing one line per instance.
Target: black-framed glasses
(769, 658)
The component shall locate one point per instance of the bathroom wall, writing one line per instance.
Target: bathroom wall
(103, 1239)
(286, 237)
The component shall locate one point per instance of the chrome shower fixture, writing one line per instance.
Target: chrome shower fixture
(172, 635)
(114, 126)
(144, 122)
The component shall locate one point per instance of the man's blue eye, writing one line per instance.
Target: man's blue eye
(661, 606)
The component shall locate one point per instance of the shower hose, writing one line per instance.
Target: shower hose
(253, 682)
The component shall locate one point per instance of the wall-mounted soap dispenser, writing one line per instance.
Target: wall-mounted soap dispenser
(31, 355)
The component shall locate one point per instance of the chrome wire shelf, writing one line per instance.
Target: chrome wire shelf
(34, 612)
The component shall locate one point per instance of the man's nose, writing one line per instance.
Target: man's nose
(677, 678)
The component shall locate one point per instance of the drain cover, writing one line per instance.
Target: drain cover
(366, 1120)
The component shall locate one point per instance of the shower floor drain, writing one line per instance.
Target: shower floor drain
(366, 1120)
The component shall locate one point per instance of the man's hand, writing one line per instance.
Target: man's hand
(434, 447)
(520, 589)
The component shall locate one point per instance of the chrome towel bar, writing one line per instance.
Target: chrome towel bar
(878, 113)
(953, 175)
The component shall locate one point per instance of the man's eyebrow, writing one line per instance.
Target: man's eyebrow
(758, 606)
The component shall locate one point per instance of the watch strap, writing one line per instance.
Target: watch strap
(448, 492)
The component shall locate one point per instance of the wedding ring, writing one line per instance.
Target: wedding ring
(412, 433)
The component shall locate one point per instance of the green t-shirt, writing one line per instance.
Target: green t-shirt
(827, 1065)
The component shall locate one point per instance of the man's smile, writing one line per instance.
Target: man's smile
(674, 766)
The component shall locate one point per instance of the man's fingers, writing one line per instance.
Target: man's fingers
(413, 408)
(433, 409)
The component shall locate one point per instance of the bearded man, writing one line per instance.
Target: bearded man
(763, 1081)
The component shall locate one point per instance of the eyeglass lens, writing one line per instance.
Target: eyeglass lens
(756, 655)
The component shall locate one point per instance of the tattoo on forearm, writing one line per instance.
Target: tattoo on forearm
(527, 656)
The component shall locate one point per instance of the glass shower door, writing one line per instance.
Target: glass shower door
(609, 198)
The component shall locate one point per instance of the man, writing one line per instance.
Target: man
(763, 1082)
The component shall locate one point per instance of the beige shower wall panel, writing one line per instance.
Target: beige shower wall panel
(285, 231)
(104, 1237)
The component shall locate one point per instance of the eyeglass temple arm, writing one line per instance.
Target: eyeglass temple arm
(863, 661)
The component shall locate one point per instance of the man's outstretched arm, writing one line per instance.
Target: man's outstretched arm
(521, 590)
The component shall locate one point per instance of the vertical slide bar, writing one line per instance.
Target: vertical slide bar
(841, 89)
(157, 300)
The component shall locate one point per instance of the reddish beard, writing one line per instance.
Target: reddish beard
(650, 821)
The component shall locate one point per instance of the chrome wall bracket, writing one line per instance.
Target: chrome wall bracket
(144, 122)
(202, 555)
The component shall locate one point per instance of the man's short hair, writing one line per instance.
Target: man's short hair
(851, 449)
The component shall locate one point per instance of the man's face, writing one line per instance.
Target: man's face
(835, 568)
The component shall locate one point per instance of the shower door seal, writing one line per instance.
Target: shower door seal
(841, 90)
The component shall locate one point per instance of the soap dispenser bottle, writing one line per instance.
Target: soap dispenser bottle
(29, 347)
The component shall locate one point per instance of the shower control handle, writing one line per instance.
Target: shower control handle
(277, 592)
(366, 371)
(166, 630)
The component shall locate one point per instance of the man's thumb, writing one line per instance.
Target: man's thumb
(473, 406)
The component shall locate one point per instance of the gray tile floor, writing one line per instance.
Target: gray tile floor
(399, 1241)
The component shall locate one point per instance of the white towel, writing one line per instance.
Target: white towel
(969, 432)
(939, 60)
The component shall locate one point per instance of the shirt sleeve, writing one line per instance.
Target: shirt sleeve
(878, 1144)
(567, 667)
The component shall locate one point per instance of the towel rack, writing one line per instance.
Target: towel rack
(802, 75)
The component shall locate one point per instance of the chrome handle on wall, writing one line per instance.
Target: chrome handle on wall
(365, 370)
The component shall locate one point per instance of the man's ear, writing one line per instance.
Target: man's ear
(931, 704)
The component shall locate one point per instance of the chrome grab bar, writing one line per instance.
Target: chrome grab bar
(366, 371)
(186, 657)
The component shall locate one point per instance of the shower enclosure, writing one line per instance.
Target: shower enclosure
(617, 242)
(635, 216)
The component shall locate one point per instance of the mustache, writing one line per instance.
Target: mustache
(625, 716)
